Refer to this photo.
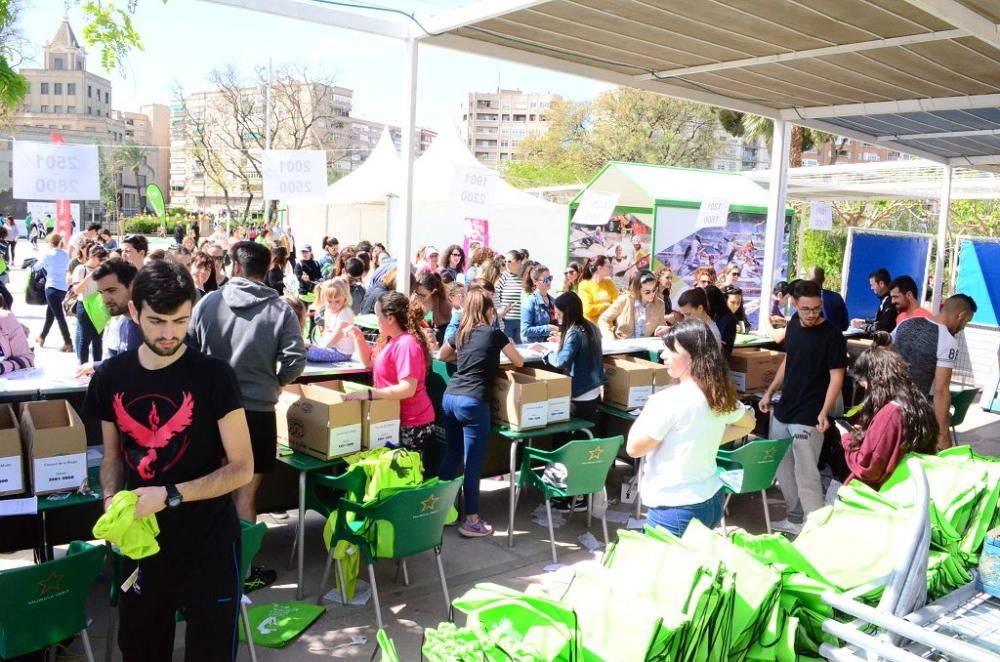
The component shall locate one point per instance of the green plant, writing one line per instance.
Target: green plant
(142, 225)
(176, 211)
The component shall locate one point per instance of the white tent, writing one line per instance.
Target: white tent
(356, 206)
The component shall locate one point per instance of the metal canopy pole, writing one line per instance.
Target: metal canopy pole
(777, 197)
(404, 229)
(942, 238)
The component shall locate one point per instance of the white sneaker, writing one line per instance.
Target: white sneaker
(785, 526)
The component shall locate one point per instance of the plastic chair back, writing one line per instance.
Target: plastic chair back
(251, 539)
(961, 401)
(414, 517)
(323, 491)
(587, 463)
(41, 605)
(759, 461)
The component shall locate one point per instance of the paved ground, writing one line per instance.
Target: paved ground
(349, 632)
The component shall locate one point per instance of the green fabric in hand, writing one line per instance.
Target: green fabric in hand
(136, 538)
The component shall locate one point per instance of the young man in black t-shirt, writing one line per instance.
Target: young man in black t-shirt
(175, 433)
(810, 379)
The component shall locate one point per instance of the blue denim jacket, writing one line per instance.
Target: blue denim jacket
(535, 318)
(583, 361)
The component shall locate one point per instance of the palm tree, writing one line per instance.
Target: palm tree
(751, 127)
(132, 158)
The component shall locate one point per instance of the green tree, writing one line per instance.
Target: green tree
(752, 127)
(13, 86)
(109, 27)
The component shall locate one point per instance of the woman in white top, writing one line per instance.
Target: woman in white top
(680, 428)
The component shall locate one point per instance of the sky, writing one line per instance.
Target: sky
(185, 39)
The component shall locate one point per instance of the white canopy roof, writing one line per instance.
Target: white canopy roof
(376, 178)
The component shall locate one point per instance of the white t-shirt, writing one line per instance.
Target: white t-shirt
(79, 273)
(345, 316)
(681, 470)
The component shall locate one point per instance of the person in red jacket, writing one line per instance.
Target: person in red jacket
(895, 418)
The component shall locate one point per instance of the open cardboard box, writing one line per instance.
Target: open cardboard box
(628, 383)
(520, 401)
(318, 421)
(56, 444)
(379, 418)
(559, 389)
(753, 368)
(11, 453)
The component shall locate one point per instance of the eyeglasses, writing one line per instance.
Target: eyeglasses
(456, 255)
(545, 280)
(810, 311)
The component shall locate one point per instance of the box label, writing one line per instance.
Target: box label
(534, 414)
(60, 473)
(344, 440)
(639, 395)
(384, 433)
(11, 477)
(739, 380)
(558, 409)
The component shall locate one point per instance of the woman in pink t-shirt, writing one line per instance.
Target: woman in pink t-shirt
(399, 362)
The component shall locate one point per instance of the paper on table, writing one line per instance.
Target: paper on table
(634, 523)
(27, 506)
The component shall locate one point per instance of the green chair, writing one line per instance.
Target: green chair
(387, 646)
(41, 605)
(751, 468)
(961, 401)
(587, 463)
(400, 524)
(323, 491)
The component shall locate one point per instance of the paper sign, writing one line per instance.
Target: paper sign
(474, 187)
(60, 473)
(821, 216)
(11, 507)
(713, 213)
(11, 476)
(44, 171)
(595, 208)
(534, 414)
(383, 434)
(291, 174)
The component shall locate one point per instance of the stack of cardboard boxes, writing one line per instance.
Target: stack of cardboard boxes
(48, 445)
(529, 398)
(753, 369)
(631, 380)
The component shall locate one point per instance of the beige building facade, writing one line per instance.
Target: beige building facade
(493, 124)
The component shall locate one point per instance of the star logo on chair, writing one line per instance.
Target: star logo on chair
(769, 454)
(596, 453)
(51, 584)
(428, 504)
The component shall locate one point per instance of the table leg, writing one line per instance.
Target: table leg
(301, 533)
(513, 468)
(46, 550)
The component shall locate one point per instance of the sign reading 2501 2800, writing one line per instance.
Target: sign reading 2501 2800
(45, 171)
(291, 173)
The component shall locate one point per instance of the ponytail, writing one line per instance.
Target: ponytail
(409, 315)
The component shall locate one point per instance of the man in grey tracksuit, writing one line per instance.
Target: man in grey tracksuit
(247, 324)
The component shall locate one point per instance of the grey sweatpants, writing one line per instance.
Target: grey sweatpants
(798, 473)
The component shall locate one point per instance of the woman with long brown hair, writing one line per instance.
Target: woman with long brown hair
(895, 416)
(432, 296)
(680, 428)
(275, 277)
(399, 363)
(466, 402)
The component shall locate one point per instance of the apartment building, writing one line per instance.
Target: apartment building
(735, 154)
(493, 124)
(850, 151)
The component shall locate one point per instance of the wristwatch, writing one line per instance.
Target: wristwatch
(174, 497)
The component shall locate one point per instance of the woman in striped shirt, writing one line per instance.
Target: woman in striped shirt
(508, 293)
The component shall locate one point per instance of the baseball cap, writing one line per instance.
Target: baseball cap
(431, 250)
(306, 247)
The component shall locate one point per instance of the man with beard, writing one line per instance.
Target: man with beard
(175, 433)
(113, 279)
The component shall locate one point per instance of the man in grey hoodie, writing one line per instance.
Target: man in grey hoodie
(247, 324)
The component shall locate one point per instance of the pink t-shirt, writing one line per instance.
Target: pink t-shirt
(917, 312)
(403, 357)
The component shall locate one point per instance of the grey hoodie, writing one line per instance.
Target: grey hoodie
(248, 325)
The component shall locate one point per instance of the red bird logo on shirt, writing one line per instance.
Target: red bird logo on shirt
(153, 435)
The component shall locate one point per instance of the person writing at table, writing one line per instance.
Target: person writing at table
(538, 313)
(638, 313)
(680, 429)
(466, 403)
(399, 363)
(597, 290)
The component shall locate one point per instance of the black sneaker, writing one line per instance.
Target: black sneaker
(259, 577)
(570, 504)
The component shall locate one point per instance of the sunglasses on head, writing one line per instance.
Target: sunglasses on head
(545, 280)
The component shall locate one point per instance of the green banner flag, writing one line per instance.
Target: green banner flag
(154, 196)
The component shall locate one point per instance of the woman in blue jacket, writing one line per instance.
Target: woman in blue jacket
(538, 308)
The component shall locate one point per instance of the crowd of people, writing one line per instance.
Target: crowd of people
(203, 335)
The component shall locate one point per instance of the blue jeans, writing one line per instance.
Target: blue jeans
(513, 330)
(54, 311)
(467, 427)
(675, 519)
(86, 336)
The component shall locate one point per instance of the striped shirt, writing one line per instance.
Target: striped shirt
(508, 293)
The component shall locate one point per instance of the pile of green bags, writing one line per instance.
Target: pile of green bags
(747, 597)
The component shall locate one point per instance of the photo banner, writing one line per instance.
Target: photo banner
(626, 238)
(867, 250)
(477, 234)
(979, 277)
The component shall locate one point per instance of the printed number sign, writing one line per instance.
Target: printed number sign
(46, 171)
(474, 187)
(821, 216)
(713, 213)
(294, 174)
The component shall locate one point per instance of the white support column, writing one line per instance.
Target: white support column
(404, 230)
(777, 195)
(942, 238)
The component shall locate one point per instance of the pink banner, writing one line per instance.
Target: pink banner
(477, 234)
(64, 220)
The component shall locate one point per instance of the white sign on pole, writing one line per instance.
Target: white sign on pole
(595, 208)
(46, 171)
(474, 187)
(821, 216)
(294, 174)
(713, 213)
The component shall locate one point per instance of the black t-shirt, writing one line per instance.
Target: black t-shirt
(478, 363)
(810, 354)
(167, 421)
(727, 330)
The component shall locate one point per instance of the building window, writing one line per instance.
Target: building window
(90, 91)
(107, 97)
(58, 63)
(56, 109)
(90, 110)
(70, 88)
(79, 65)
(45, 88)
(71, 109)
(45, 109)
(57, 88)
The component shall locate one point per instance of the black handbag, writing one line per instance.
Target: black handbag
(34, 293)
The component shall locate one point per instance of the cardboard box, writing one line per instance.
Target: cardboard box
(11, 454)
(560, 390)
(629, 383)
(855, 347)
(521, 402)
(661, 376)
(318, 421)
(753, 369)
(56, 444)
(379, 418)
